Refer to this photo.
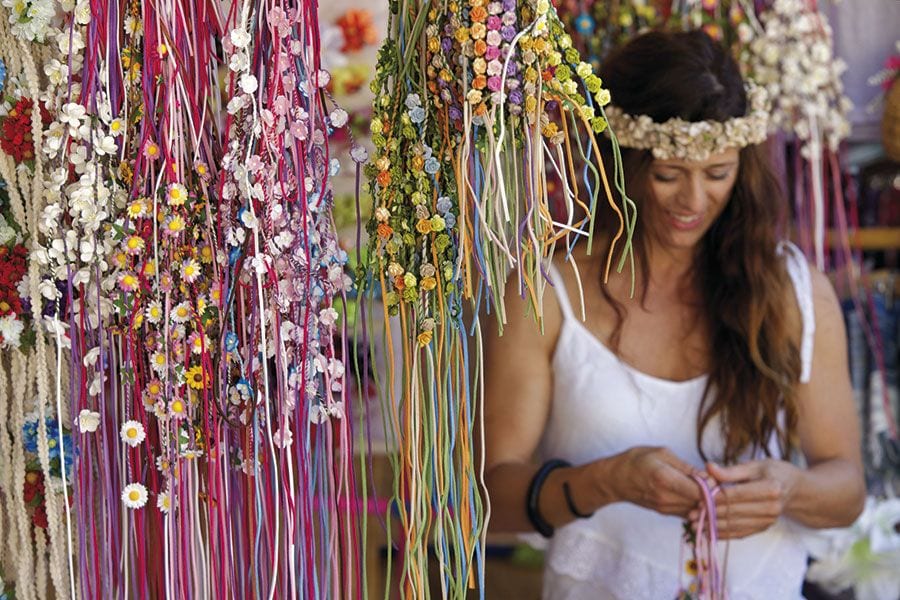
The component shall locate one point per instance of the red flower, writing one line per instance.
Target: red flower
(39, 518)
(12, 269)
(34, 486)
(15, 133)
(9, 305)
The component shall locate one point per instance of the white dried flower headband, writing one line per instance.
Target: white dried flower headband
(694, 141)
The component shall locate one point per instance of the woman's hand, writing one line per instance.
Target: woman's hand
(656, 479)
(751, 496)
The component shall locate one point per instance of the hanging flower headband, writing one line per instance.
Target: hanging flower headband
(696, 141)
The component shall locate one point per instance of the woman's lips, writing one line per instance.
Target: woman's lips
(685, 222)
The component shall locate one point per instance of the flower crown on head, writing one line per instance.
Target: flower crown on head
(696, 141)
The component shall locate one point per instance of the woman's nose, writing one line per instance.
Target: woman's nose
(693, 197)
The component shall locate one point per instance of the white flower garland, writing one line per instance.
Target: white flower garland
(29, 376)
(694, 141)
(793, 58)
(31, 20)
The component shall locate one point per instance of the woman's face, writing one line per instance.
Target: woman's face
(688, 196)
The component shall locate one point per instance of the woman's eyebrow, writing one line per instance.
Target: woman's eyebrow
(684, 168)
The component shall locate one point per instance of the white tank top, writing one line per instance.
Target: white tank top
(601, 407)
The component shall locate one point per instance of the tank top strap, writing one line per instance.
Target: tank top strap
(559, 288)
(798, 269)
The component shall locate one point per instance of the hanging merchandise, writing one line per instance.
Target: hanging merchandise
(480, 108)
(599, 27)
(786, 47)
(36, 443)
(175, 401)
(889, 80)
(282, 337)
(793, 58)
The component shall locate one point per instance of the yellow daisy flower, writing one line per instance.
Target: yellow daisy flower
(151, 151)
(177, 194)
(154, 312)
(154, 388)
(134, 244)
(128, 282)
(158, 361)
(181, 313)
(117, 127)
(164, 502)
(137, 208)
(177, 408)
(174, 225)
(190, 270)
(197, 378)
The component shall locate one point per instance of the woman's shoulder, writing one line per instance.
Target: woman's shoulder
(535, 308)
(813, 307)
(809, 285)
(531, 315)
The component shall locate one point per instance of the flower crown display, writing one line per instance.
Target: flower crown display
(787, 47)
(481, 106)
(498, 76)
(694, 141)
(173, 374)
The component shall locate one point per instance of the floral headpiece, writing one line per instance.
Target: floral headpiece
(680, 139)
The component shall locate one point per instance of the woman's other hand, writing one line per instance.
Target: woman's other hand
(752, 495)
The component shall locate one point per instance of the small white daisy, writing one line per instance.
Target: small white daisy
(181, 312)
(158, 362)
(164, 502)
(132, 433)
(134, 495)
(154, 312)
(177, 194)
(190, 270)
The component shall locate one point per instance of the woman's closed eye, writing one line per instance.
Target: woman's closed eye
(719, 175)
(665, 177)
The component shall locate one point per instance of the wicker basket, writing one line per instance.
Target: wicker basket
(890, 123)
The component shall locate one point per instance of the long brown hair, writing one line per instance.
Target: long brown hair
(754, 362)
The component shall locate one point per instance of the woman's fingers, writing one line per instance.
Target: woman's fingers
(747, 471)
(747, 508)
(753, 491)
(732, 528)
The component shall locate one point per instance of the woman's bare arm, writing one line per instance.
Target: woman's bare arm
(519, 383)
(830, 492)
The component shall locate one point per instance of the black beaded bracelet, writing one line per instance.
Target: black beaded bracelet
(534, 494)
(567, 492)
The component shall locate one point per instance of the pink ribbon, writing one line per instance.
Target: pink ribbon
(709, 580)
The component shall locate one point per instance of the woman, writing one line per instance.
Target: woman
(727, 362)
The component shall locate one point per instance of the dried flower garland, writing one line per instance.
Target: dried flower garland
(599, 27)
(186, 282)
(480, 106)
(793, 58)
(696, 141)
